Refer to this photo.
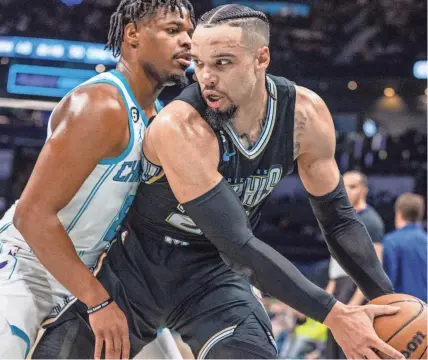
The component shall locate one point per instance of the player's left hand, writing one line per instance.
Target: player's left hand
(352, 328)
(111, 332)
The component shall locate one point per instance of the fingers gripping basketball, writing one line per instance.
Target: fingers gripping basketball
(406, 330)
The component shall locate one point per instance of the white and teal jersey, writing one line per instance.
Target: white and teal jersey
(92, 217)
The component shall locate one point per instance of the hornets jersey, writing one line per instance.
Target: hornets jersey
(252, 173)
(93, 216)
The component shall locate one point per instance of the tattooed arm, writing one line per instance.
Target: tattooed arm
(314, 143)
(345, 234)
(300, 121)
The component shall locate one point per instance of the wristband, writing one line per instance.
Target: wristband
(100, 306)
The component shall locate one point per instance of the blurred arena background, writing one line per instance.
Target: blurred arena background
(366, 58)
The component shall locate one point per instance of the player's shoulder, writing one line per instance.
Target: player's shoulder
(313, 125)
(177, 124)
(97, 100)
(312, 107)
(180, 116)
(101, 97)
(92, 105)
(308, 99)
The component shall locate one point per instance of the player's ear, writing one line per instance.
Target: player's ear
(131, 35)
(263, 57)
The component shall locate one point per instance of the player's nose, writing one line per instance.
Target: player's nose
(209, 78)
(185, 40)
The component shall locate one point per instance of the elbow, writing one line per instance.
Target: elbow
(25, 218)
(19, 218)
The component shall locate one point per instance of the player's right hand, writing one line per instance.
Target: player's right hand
(352, 328)
(111, 332)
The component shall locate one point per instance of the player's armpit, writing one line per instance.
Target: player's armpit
(186, 148)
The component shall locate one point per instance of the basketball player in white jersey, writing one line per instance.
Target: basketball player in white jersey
(85, 180)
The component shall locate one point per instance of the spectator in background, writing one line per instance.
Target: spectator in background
(405, 249)
(341, 285)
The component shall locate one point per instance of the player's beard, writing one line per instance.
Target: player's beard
(163, 79)
(219, 119)
(175, 79)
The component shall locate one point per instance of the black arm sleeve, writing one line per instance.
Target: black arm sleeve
(349, 242)
(220, 215)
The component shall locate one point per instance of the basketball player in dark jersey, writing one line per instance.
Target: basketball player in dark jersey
(211, 158)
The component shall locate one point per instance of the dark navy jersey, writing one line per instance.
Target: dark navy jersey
(252, 173)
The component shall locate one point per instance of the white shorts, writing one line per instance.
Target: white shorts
(28, 294)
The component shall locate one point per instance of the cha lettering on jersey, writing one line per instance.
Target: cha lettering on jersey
(129, 172)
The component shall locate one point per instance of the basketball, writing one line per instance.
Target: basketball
(406, 331)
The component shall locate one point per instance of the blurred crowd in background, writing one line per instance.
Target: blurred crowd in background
(342, 32)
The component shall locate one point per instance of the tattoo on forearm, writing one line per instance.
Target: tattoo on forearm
(299, 129)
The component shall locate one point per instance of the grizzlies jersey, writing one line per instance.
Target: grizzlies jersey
(251, 173)
(93, 216)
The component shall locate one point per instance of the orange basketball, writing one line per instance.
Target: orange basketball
(405, 331)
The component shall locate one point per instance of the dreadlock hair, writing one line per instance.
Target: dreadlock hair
(130, 11)
(255, 24)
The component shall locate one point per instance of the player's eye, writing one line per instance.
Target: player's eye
(223, 62)
(172, 31)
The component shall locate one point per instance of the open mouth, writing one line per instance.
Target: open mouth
(213, 100)
(213, 97)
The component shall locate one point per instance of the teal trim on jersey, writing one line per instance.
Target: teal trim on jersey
(22, 335)
(158, 106)
(90, 197)
(114, 218)
(267, 128)
(131, 94)
(128, 149)
(5, 227)
(14, 266)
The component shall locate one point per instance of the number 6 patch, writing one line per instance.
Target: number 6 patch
(135, 114)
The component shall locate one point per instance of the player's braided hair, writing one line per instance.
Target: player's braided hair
(129, 11)
(254, 23)
(230, 12)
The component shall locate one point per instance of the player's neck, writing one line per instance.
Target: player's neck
(142, 86)
(250, 118)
